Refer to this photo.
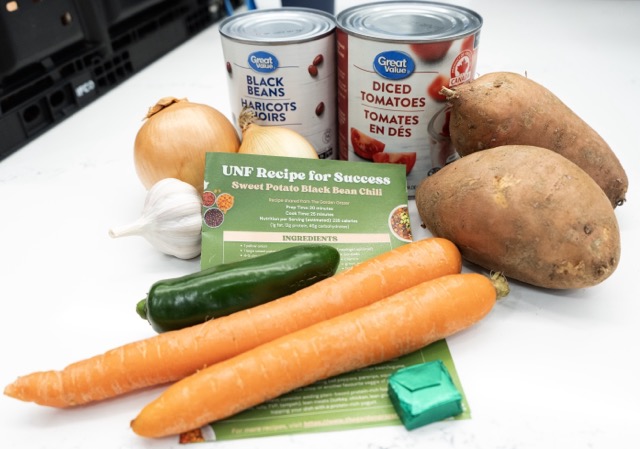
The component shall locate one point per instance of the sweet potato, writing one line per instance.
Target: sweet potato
(527, 212)
(505, 108)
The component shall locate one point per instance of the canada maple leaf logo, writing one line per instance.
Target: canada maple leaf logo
(462, 66)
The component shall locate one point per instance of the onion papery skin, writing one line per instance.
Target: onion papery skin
(257, 139)
(272, 140)
(173, 141)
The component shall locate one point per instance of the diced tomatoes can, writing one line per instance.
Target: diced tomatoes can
(393, 58)
(281, 63)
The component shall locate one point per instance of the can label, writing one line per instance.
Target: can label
(287, 85)
(390, 108)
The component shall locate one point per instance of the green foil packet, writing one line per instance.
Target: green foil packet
(424, 393)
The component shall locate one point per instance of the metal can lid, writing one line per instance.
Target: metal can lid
(278, 26)
(409, 21)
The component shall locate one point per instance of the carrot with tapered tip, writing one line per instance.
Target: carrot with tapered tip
(389, 328)
(170, 356)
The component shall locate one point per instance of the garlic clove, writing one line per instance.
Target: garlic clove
(171, 219)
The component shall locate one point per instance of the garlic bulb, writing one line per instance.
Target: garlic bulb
(171, 219)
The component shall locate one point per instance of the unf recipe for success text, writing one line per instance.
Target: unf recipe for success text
(311, 175)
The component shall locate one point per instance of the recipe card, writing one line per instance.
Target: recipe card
(255, 204)
(354, 400)
(258, 204)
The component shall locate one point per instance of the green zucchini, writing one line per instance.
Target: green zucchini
(227, 288)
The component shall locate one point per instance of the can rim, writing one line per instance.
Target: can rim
(397, 7)
(326, 25)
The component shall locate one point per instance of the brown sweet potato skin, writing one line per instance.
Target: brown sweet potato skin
(503, 108)
(524, 211)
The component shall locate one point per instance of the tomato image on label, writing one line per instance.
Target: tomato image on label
(365, 146)
(432, 51)
(408, 159)
(436, 85)
(468, 43)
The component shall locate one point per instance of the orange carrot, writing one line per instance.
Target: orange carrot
(173, 355)
(392, 327)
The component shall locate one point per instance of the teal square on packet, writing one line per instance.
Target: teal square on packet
(424, 393)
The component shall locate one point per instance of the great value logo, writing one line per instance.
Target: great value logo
(263, 61)
(393, 65)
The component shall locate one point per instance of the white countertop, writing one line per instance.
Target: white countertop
(546, 369)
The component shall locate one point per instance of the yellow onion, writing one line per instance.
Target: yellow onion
(174, 138)
(272, 140)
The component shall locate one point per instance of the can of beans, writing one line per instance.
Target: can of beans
(281, 63)
(393, 59)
